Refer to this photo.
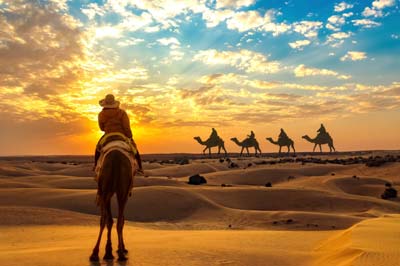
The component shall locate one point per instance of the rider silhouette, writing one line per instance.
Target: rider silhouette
(214, 134)
(251, 136)
(282, 135)
(322, 130)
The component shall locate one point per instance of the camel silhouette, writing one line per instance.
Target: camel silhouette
(212, 142)
(246, 144)
(115, 178)
(321, 139)
(282, 142)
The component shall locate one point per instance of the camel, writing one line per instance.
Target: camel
(246, 143)
(321, 139)
(288, 142)
(116, 177)
(212, 143)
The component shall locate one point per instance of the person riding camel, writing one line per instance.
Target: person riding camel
(251, 136)
(322, 130)
(282, 135)
(112, 119)
(214, 134)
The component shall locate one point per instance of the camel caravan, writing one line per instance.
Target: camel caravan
(250, 141)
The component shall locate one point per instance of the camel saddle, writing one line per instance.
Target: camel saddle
(116, 141)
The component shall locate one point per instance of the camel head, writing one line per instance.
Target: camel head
(196, 138)
(270, 139)
(305, 137)
(234, 139)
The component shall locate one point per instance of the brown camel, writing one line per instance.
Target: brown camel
(283, 142)
(116, 177)
(246, 143)
(321, 139)
(217, 142)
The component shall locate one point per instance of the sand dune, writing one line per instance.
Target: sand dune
(369, 243)
(242, 223)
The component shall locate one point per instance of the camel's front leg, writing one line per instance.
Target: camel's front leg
(314, 147)
(320, 148)
(247, 149)
(241, 152)
(209, 151)
(219, 150)
(280, 148)
(224, 150)
(288, 149)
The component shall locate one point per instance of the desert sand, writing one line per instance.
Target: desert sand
(313, 214)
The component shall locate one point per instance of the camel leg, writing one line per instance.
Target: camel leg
(288, 150)
(209, 152)
(320, 148)
(294, 151)
(219, 150)
(241, 152)
(108, 255)
(248, 153)
(332, 147)
(280, 148)
(120, 227)
(314, 147)
(224, 150)
(95, 253)
(204, 151)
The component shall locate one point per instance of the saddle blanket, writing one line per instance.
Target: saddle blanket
(121, 146)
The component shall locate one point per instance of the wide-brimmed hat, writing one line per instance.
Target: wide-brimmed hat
(109, 102)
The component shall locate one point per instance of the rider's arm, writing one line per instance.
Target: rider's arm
(101, 122)
(126, 125)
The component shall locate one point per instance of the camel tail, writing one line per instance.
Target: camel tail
(108, 177)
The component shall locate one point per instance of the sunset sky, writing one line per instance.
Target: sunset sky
(180, 68)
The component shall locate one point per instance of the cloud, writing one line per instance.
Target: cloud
(303, 71)
(252, 20)
(130, 42)
(244, 21)
(381, 4)
(307, 28)
(376, 9)
(337, 38)
(342, 6)
(92, 10)
(41, 49)
(372, 12)
(299, 44)
(172, 41)
(354, 56)
(335, 22)
(233, 3)
(214, 17)
(246, 60)
(365, 23)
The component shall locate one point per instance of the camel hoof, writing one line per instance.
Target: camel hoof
(108, 257)
(125, 251)
(121, 255)
(94, 258)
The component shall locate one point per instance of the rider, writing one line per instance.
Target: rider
(282, 135)
(113, 119)
(214, 134)
(322, 130)
(251, 136)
